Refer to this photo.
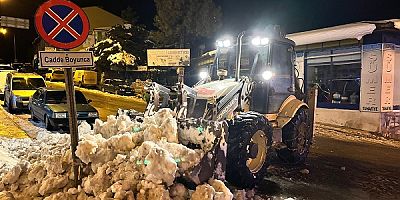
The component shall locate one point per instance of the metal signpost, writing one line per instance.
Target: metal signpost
(65, 25)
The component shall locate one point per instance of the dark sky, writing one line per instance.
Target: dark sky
(238, 15)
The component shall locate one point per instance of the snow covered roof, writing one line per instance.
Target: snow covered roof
(342, 32)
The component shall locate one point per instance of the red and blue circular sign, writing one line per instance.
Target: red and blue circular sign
(62, 24)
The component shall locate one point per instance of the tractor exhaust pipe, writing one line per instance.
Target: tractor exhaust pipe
(238, 54)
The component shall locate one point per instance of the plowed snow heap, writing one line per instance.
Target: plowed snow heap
(121, 159)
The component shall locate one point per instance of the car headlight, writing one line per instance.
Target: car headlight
(60, 115)
(93, 114)
(267, 75)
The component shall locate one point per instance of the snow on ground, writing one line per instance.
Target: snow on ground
(94, 91)
(121, 159)
(347, 134)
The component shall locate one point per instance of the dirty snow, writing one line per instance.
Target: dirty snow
(121, 159)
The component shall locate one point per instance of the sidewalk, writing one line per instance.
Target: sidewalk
(348, 134)
(8, 128)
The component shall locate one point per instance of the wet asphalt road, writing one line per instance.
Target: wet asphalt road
(339, 170)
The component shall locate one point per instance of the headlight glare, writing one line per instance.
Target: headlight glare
(267, 75)
(220, 43)
(264, 41)
(227, 43)
(256, 41)
(203, 75)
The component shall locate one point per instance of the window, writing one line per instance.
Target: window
(337, 73)
(27, 83)
(60, 97)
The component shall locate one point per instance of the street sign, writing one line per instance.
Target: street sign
(66, 59)
(62, 24)
(168, 57)
(13, 22)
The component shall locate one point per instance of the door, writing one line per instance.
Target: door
(39, 106)
(33, 103)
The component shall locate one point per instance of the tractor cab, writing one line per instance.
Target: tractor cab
(266, 60)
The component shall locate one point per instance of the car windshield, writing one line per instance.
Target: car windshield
(60, 97)
(27, 83)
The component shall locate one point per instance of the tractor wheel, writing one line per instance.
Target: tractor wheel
(249, 142)
(297, 136)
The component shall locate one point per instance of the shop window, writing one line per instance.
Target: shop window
(339, 85)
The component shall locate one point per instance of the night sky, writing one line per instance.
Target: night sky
(238, 15)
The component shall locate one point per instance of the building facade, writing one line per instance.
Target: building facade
(357, 70)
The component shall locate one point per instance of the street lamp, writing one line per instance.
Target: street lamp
(3, 30)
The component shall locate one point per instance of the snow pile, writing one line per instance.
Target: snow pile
(121, 159)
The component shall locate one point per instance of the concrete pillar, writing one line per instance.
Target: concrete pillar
(378, 82)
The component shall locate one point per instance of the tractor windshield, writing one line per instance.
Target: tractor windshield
(271, 64)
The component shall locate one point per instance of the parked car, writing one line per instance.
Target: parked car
(85, 78)
(116, 86)
(19, 87)
(3, 77)
(55, 75)
(50, 106)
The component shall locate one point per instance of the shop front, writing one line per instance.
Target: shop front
(354, 68)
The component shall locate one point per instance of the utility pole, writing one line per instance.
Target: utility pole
(15, 51)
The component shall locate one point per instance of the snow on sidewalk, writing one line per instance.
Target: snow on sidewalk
(348, 134)
(8, 128)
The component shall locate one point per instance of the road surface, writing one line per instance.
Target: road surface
(339, 169)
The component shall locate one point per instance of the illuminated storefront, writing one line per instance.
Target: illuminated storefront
(354, 67)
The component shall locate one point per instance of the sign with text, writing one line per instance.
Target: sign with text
(168, 57)
(66, 59)
(377, 78)
(387, 80)
(371, 78)
(13, 22)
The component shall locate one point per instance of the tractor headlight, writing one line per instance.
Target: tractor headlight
(224, 43)
(93, 114)
(267, 75)
(60, 115)
(203, 75)
(257, 41)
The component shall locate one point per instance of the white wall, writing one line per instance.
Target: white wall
(355, 119)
